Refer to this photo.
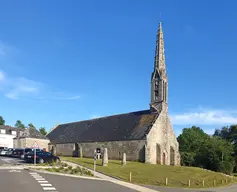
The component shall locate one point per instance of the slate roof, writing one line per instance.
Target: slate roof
(129, 126)
(32, 133)
(9, 128)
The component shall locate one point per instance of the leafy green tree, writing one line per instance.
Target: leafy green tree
(2, 121)
(192, 139)
(19, 124)
(43, 131)
(187, 159)
(201, 150)
(30, 125)
(229, 134)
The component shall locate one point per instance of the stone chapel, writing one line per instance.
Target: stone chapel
(145, 136)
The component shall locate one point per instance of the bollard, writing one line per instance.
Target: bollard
(226, 180)
(189, 183)
(222, 181)
(166, 181)
(130, 177)
(203, 183)
(214, 182)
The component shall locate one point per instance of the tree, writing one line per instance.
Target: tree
(201, 150)
(2, 121)
(43, 131)
(19, 124)
(192, 139)
(30, 125)
(229, 134)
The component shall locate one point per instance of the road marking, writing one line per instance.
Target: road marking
(17, 171)
(49, 188)
(43, 181)
(38, 178)
(33, 173)
(46, 185)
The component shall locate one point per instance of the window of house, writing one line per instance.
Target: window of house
(3, 131)
(13, 132)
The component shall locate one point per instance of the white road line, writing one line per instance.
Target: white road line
(37, 177)
(33, 173)
(46, 185)
(43, 181)
(49, 188)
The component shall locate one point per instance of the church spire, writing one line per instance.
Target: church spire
(159, 80)
(160, 51)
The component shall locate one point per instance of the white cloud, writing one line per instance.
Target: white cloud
(205, 117)
(20, 87)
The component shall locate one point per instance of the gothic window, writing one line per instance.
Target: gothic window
(156, 85)
(156, 95)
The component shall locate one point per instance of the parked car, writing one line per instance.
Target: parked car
(41, 157)
(1, 148)
(3, 152)
(29, 150)
(9, 152)
(17, 152)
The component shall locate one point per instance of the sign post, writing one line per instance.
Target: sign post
(35, 146)
(95, 157)
(34, 155)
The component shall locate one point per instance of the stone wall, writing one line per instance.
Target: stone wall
(135, 150)
(161, 141)
(29, 142)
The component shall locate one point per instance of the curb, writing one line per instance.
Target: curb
(91, 170)
(63, 174)
(2, 168)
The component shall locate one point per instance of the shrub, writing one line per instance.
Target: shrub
(226, 167)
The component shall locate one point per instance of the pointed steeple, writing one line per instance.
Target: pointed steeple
(160, 51)
(159, 79)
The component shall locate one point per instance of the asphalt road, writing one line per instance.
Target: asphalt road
(16, 180)
(10, 161)
(70, 184)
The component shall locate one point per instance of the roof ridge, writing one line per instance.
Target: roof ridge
(107, 117)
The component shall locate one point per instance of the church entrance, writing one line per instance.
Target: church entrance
(52, 151)
(164, 157)
(172, 156)
(158, 154)
(76, 148)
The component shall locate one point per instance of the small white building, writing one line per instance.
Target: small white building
(7, 133)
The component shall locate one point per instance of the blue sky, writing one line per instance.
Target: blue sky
(64, 61)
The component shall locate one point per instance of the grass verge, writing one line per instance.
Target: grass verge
(156, 174)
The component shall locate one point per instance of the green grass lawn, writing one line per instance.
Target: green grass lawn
(155, 174)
